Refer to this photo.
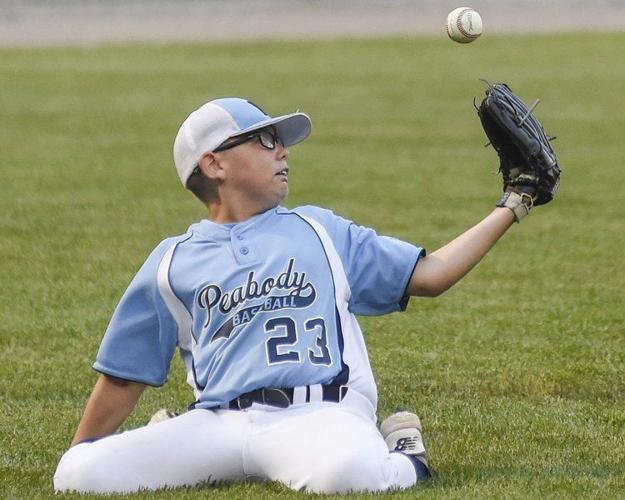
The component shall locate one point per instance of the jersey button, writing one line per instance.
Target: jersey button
(244, 250)
(239, 236)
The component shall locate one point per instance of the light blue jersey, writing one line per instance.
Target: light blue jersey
(268, 302)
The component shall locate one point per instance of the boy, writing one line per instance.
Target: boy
(261, 300)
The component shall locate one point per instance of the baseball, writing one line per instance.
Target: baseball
(464, 25)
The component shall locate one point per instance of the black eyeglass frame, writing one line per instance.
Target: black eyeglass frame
(267, 139)
(231, 143)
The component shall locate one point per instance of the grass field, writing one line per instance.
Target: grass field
(518, 372)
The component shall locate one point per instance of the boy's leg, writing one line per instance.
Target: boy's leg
(195, 447)
(325, 448)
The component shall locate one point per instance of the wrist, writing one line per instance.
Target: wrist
(523, 188)
(519, 203)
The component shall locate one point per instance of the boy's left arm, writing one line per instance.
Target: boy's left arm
(531, 176)
(443, 268)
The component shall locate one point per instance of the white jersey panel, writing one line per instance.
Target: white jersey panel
(354, 351)
(186, 342)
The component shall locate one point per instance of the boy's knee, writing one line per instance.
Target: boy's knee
(348, 471)
(70, 471)
(82, 470)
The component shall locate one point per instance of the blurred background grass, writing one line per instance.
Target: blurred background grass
(517, 372)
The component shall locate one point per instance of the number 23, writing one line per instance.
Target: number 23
(276, 345)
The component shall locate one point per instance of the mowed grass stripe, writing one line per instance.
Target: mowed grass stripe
(517, 372)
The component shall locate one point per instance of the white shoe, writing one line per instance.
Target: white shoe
(162, 415)
(402, 433)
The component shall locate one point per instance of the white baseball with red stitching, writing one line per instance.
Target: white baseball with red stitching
(464, 25)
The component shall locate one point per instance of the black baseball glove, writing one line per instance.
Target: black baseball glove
(528, 163)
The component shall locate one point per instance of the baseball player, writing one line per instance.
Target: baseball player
(260, 300)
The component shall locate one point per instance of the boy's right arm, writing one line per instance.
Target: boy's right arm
(110, 403)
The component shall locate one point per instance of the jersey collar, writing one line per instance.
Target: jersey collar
(214, 230)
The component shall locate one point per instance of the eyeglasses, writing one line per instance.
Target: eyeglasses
(267, 139)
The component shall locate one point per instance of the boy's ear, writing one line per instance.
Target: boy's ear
(211, 167)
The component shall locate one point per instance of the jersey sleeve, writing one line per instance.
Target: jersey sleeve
(142, 335)
(378, 268)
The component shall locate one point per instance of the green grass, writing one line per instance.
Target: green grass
(518, 372)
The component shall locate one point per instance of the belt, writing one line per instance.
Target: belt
(283, 398)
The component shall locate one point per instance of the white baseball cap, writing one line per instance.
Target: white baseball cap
(214, 122)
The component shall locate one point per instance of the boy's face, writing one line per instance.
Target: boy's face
(256, 174)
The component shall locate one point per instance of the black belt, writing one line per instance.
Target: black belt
(283, 398)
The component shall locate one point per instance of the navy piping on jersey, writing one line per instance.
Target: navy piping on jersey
(172, 286)
(195, 381)
(403, 303)
(115, 374)
(343, 375)
(198, 386)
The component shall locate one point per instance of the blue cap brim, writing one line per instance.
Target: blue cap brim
(291, 128)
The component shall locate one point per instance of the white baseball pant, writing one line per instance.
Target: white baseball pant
(318, 447)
